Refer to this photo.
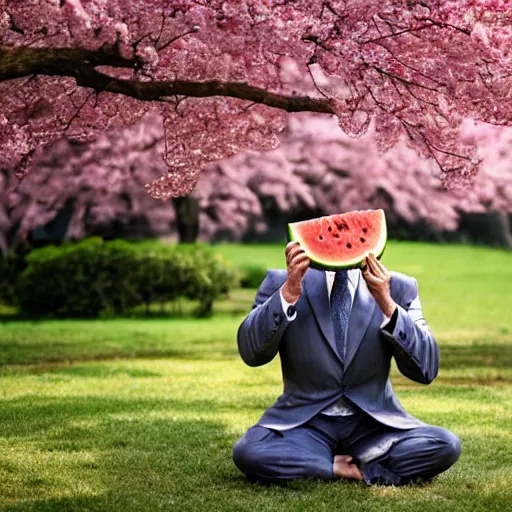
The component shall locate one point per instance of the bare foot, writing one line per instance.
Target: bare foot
(344, 468)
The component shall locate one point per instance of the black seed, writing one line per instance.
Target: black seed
(336, 235)
(349, 246)
(362, 240)
(365, 230)
(320, 237)
(329, 229)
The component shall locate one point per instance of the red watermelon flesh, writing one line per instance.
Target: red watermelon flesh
(341, 241)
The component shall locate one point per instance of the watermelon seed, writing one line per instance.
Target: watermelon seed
(336, 235)
(349, 246)
(362, 240)
(329, 229)
(320, 237)
(365, 230)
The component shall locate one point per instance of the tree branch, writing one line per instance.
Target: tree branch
(80, 65)
(20, 62)
(395, 34)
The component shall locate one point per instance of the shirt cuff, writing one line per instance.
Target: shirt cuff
(389, 323)
(285, 305)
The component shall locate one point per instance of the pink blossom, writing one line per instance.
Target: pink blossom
(223, 74)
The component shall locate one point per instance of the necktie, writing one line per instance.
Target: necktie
(341, 304)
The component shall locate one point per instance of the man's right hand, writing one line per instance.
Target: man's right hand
(297, 263)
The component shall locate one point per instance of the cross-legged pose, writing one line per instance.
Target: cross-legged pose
(338, 416)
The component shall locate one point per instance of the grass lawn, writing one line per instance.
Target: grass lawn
(141, 414)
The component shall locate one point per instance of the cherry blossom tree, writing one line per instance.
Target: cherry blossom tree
(101, 182)
(317, 170)
(320, 170)
(224, 73)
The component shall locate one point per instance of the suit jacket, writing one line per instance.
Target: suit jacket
(313, 375)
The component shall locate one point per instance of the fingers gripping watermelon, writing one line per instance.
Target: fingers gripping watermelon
(341, 241)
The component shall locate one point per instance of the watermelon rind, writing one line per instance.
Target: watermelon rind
(357, 262)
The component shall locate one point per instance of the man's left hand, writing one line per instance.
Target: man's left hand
(378, 280)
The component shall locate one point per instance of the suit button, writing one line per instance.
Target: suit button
(291, 310)
(402, 335)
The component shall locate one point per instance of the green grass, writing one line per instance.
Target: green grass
(141, 415)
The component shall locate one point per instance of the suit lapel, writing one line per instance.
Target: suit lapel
(360, 317)
(362, 311)
(315, 285)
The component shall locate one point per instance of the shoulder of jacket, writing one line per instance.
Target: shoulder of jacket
(276, 276)
(403, 287)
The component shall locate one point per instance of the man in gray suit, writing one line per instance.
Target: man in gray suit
(338, 416)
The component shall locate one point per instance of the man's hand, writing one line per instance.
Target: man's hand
(378, 278)
(297, 263)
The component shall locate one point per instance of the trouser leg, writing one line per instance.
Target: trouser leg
(419, 454)
(388, 456)
(302, 452)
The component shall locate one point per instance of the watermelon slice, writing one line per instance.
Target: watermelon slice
(341, 241)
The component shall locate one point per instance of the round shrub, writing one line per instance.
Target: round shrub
(90, 278)
(63, 281)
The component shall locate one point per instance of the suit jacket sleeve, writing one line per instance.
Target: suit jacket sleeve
(414, 347)
(260, 333)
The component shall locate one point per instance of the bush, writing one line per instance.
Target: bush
(90, 278)
(252, 275)
(117, 283)
(212, 277)
(64, 281)
(11, 266)
(5, 280)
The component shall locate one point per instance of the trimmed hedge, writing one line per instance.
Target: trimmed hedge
(93, 277)
(11, 265)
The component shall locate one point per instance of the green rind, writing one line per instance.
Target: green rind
(319, 265)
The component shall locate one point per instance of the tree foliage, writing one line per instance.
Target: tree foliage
(317, 169)
(223, 73)
(320, 169)
(102, 182)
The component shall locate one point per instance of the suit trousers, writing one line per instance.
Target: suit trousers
(385, 455)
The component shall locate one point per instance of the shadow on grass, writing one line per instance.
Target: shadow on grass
(91, 454)
(82, 416)
(141, 454)
(136, 463)
(111, 455)
(74, 504)
(91, 370)
(476, 355)
(453, 357)
(37, 353)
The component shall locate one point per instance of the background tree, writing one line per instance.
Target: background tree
(223, 73)
(82, 189)
(317, 170)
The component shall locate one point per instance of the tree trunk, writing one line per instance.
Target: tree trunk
(491, 228)
(187, 218)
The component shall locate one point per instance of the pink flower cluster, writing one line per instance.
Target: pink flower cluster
(223, 74)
